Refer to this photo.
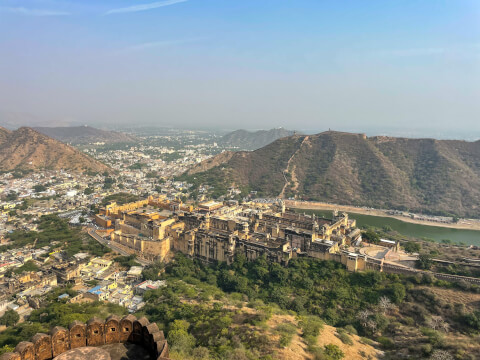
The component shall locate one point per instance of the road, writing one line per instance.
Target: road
(109, 244)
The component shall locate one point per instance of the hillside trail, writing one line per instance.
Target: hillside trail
(292, 173)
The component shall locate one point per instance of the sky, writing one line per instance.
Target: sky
(310, 65)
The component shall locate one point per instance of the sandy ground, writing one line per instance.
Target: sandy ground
(328, 336)
(462, 224)
(297, 350)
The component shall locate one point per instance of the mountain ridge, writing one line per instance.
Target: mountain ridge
(84, 134)
(423, 175)
(28, 149)
(252, 140)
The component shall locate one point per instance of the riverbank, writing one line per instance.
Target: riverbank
(307, 205)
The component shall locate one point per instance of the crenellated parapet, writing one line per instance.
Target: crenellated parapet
(93, 334)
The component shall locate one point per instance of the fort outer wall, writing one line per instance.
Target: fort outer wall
(377, 265)
(96, 332)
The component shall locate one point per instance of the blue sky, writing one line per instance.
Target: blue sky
(349, 65)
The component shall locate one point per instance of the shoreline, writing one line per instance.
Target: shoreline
(306, 205)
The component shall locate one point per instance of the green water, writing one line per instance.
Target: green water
(470, 237)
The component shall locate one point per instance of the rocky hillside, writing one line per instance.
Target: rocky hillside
(212, 162)
(85, 135)
(3, 134)
(246, 140)
(26, 148)
(438, 176)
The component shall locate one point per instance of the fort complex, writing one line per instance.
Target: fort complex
(214, 231)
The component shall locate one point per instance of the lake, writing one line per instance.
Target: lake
(437, 233)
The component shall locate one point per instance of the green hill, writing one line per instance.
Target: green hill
(423, 175)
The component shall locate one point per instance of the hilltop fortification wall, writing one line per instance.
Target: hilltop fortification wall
(94, 333)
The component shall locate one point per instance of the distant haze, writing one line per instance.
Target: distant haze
(402, 68)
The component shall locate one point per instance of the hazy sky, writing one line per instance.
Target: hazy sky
(356, 65)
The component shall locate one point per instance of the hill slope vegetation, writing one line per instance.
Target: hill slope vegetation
(422, 175)
(27, 149)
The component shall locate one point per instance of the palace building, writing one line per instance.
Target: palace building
(214, 231)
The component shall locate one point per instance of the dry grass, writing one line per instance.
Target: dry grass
(297, 350)
(450, 296)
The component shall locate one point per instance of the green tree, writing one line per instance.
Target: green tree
(398, 293)
(472, 320)
(24, 205)
(178, 337)
(39, 188)
(6, 348)
(12, 196)
(387, 228)
(10, 318)
(371, 236)
(28, 266)
(152, 272)
(412, 247)
(425, 261)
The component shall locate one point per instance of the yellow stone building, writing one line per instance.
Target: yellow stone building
(214, 232)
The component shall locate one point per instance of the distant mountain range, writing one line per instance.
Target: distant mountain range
(85, 135)
(247, 140)
(14, 120)
(25, 149)
(422, 175)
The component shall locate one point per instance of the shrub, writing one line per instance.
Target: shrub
(343, 336)
(333, 352)
(6, 348)
(434, 337)
(256, 304)
(427, 349)
(366, 341)
(311, 341)
(286, 332)
(386, 343)
(408, 321)
(311, 325)
(351, 330)
(412, 247)
(201, 353)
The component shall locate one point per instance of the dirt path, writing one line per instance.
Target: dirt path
(292, 173)
(462, 224)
